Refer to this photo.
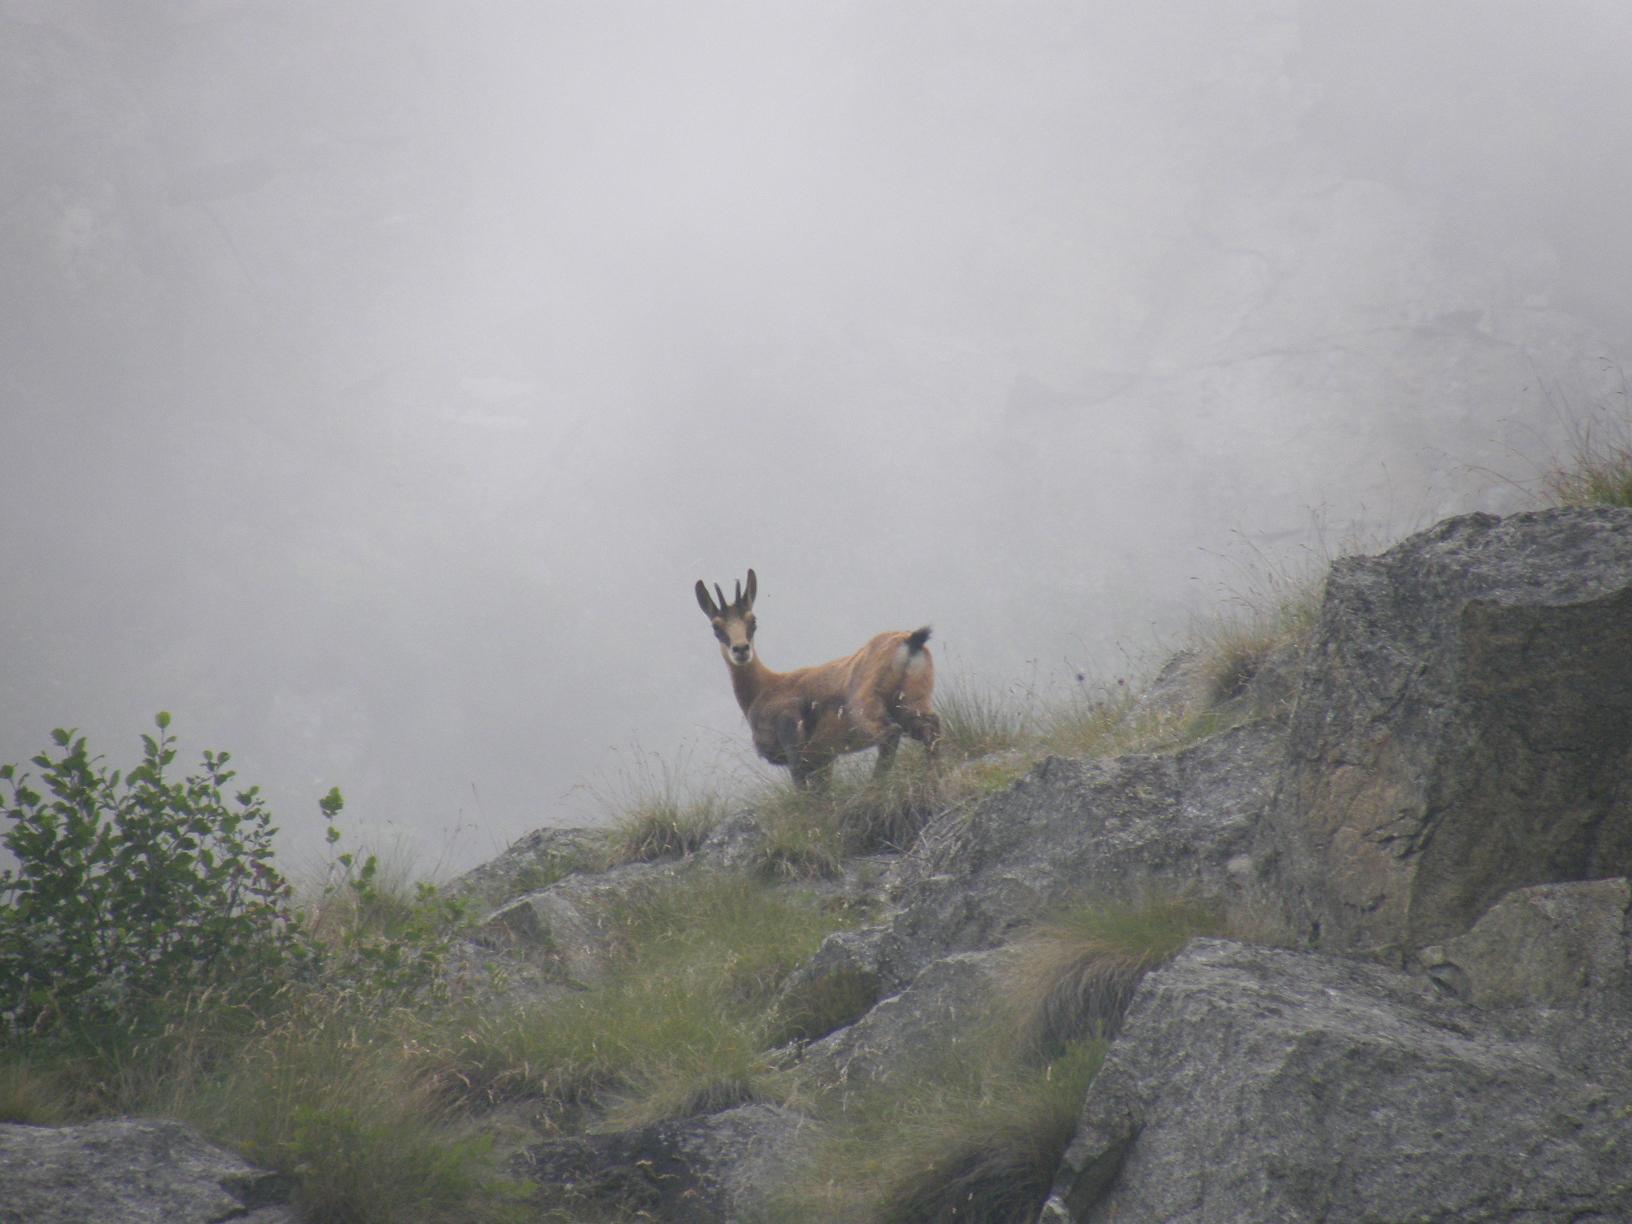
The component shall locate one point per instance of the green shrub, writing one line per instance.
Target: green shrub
(376, 933)
(128, 890)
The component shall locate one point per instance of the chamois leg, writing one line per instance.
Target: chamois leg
(812, 777)
(886, 753)
(925, 727)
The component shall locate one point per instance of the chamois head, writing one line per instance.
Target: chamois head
(733, 622)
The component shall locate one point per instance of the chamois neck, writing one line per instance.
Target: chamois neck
(749, 680)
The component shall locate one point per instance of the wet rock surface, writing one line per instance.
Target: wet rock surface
(133, 1171)
(1463, 727)
(1261, 1084)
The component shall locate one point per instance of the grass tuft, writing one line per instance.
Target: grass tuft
(656, 812)
(997, 1161)
(1597, 470)
(1076, 975)
(36, 1094)
(977, 722)
(1281, 614)
(664, 828)
(968, 1131)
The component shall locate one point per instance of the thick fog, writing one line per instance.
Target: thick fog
(377, 376)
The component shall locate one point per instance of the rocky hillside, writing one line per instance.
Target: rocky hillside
(1433, 840)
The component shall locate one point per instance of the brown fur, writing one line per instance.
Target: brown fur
(804, 719)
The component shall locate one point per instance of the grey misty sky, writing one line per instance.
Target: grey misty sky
(376, 378)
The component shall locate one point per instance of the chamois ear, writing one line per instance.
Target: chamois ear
(704, 602)
(753, 586)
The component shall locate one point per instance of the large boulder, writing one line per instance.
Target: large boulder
(1553, 945)
(1070, 831)
(697, 1170)
(1264, 1084)
(1463, 728)
(134, 1171)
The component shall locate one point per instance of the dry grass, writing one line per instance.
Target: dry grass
(1597, 471)
(655, 811)
(977, 722)
(1076, 975)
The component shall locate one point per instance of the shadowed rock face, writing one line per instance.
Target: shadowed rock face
(687, 1171)
(1463, 728)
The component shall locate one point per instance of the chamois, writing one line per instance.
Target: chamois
(804, 719)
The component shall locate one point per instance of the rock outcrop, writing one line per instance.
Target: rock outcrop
(1073, 830)
(697, 1170)
(134, 1171)
(1463, 728)
(1256, 1084)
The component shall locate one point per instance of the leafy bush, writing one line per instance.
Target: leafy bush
(130, 889)
(376, 935)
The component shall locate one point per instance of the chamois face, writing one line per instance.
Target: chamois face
(733, 622)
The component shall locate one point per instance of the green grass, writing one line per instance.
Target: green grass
(1278, 612)
(656, 811)
(681, 1023)
(977, 721)
(808, 834)
(327, 1095)
(967, 1131)
(973, 1128)
(1597, 470)
(312, 1079)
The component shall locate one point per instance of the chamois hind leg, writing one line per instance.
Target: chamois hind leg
(886, 752)
(925, 727)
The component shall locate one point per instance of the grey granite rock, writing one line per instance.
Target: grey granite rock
(131, 1171)
(1253, 1084)
(1552, 945)
(699, 1170)
(1077, 830)
(1463, 728)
